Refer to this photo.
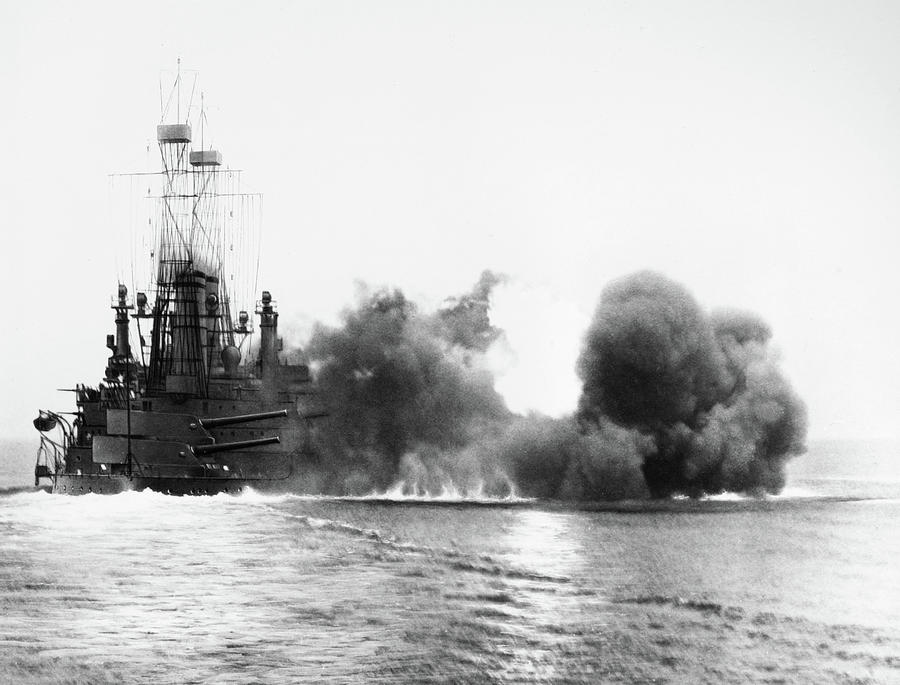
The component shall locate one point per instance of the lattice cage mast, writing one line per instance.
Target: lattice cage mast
(199, 258)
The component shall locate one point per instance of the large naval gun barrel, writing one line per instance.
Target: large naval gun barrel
(242, 418)
(201, 450)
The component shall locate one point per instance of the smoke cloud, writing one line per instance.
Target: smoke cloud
(402, 387)
(706, 389)
(674, 401)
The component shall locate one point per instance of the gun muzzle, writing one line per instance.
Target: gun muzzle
(202, 450)
(242, 418)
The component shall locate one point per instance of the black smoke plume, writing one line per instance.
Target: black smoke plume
(673, 401)
(402, 386)
(706, 389)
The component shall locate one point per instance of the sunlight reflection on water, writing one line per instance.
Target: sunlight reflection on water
(541, 540)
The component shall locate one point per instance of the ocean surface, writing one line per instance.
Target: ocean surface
(144, 588)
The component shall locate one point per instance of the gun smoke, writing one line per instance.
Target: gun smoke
(706, 390)
(673, 401)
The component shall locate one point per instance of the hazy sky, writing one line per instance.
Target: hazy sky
(748, 150)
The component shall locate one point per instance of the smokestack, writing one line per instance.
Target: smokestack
(188, 372)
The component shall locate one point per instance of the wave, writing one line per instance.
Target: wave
(403, 491)
(20, 490)
(716, 504)
(788, 493)
(415, 500)
(400, 495)
(700, 605)
(771, 626)
(448, 557)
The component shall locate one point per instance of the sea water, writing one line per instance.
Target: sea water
(141, 587)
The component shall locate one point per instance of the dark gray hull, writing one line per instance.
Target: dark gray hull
(68, 484)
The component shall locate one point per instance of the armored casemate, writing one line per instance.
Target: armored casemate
(193, 401)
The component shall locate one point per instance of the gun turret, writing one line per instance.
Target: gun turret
(202, 450)
(242, 418)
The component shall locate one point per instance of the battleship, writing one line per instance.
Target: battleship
(192, 401)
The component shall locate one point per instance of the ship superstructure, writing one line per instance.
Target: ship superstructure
(203, 401)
